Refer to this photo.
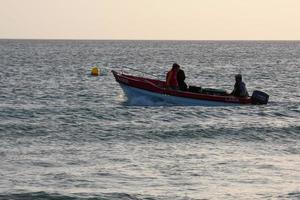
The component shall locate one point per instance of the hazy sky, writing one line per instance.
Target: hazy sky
(151, 19)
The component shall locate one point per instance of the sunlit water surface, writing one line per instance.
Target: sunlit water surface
(67, 135)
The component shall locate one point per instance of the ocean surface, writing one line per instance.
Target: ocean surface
(65, 134)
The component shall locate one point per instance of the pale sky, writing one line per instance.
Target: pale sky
(151, 19)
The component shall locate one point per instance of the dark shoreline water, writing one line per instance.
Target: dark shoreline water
(67, 135)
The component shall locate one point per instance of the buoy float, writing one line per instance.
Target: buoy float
(95, 71)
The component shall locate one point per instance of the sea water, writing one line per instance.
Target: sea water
(65, 134)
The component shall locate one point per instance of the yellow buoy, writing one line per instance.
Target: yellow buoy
(95, 71)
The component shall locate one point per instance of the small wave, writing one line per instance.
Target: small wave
(36, 196)
(56, 196)
(195, 132)
(85, 196)
(246, 134)
(146, 101)
(292, 195)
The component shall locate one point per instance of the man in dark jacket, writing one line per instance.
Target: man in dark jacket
(240, 89)
(180, 79)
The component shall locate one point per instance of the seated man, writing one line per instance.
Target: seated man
(171, 79)
(180, 79)
(240, 89)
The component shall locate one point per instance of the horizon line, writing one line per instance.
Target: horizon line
(93, 39)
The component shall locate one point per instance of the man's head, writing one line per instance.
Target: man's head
(238, 77)
(176, 66)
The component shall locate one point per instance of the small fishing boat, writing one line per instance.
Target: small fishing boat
(134, 86)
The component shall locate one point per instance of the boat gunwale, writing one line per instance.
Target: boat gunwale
(134, 80)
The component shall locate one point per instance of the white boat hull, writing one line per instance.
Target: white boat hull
(132, 93)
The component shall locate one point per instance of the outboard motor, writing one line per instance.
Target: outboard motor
(259, 97)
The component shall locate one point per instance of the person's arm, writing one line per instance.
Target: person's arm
(243, 90)
(168, 79)
(234, 90)
(183, 75)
